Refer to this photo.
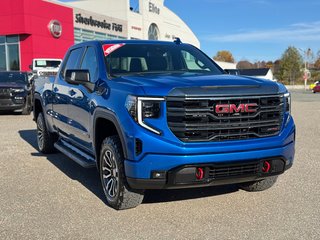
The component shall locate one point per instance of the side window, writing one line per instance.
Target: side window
(193, 63)
(73, 61)
(90, 63)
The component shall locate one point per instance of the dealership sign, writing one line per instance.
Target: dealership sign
(99, 23)
(55, 28)
(154, 8)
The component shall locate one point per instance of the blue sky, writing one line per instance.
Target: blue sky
(252, 29)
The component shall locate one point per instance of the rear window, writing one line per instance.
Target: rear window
(131, 59)
(13, 77)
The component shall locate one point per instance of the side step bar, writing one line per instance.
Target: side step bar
(75, 154)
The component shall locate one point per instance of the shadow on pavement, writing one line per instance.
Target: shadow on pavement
(157, 196)
(89, 178)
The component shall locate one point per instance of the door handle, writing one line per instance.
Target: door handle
(72, 92)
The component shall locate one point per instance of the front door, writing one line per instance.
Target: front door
(62, 95)
(81, 104)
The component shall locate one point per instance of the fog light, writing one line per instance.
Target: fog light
(266, 167)
(158, 174)
(199, 173)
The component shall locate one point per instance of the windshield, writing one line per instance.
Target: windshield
(13, 77)
(47, 63)
(131, 59)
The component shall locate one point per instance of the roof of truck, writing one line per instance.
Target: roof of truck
(125, 41)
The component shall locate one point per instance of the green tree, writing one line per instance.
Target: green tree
(224, 56)
(290, 65)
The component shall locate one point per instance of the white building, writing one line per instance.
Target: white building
(226, 65)
(117, 19)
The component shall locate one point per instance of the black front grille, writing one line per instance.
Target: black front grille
(5, 92)
(194, 120)
(220, 172)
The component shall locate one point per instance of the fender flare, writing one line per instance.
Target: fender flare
(110, 116)
(36, 97)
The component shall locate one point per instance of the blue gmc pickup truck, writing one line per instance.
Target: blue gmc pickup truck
(163, 115)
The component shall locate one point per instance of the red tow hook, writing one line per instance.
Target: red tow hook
(199, 173)
(266, 167)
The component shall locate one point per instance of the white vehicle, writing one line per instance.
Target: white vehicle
(45, 66)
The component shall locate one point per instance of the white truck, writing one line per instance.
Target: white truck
(45, 66)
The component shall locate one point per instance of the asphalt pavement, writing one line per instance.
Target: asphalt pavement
(51, 197)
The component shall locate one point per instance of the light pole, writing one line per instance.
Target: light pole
(307, 54)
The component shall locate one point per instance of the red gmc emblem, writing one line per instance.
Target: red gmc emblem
(233, 108)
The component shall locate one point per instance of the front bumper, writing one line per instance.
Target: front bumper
(10, 105)
(213, 174)
(140, 175)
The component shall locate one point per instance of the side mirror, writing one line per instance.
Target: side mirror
(31, 67)
(77, 76)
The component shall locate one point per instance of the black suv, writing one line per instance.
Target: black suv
(15, 92)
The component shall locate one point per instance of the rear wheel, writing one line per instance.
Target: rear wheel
(45, 139)
(260, 185)
(118, 194)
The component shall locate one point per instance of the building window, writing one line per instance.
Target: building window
(9, 53)
(153, 32)
(82, 35)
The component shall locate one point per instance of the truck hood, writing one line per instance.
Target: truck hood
(189, 85)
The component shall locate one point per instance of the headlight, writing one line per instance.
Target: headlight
(141, 108)
(287, 97)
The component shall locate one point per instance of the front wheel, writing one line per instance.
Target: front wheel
(113, 179)
(260, 185)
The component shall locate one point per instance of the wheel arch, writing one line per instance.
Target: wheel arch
(110, 122)
(37, 106)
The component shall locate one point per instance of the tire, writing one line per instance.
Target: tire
(118, 194)
(45, 139)
(27, 108)
(259, 185)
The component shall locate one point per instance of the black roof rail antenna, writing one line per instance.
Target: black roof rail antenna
(177, 40)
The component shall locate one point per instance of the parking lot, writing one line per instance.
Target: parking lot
(51, 197)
